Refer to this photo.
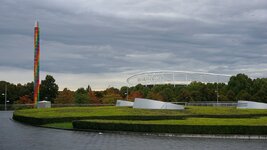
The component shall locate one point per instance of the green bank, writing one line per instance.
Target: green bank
(192, 120)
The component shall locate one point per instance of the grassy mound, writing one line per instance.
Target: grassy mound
(55, 115)
(208, 120)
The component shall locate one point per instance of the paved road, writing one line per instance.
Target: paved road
(16, 136)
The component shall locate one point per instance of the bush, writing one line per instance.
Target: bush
(167, 128)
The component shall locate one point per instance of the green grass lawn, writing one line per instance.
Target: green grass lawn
(61, 125)
(125, 111)
(261, 121)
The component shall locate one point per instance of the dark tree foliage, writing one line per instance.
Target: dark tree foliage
(92, 96)
(239, 87)
(14, 92)
(167, 94)
(240, 82)
(111, 95)
(123, 92)
(112, 90)
(231, 95)
(243, 95)
(48, 89)
(81, 96)
(65, 97)
(99, 94)
(184, 95)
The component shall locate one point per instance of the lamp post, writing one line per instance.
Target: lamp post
(217, 92)
(5, 96)
(127, 92)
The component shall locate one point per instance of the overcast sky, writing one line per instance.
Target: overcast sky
(102, 42)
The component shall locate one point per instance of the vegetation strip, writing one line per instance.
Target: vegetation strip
(170, 128)
(192, 120)
(239, 87)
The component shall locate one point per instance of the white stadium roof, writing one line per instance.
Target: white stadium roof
(176, 77)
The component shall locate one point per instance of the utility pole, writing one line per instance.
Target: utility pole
(127, 92)
(217, 91)
(5, 96)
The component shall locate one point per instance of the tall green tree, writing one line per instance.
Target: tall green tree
(184, 95)
(259, 84)
(231, 95)
(155, 96)
(111, 95)
(111, 98)
(48, 89)
(240, 82)
(260, 95)
(167, 94)
(81, 96)
(13, 93)
(123, 92)
(243, 95)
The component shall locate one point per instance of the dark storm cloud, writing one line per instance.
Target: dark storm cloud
(129, 35)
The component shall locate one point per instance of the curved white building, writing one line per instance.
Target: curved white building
(153, 104)
(124, 103)
(251, 105)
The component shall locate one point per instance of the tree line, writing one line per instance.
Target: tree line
(23, 93)
(239, 87)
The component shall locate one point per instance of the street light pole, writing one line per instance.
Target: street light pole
(217, 94)
(217, 89)
(127, 92)
(5, 96)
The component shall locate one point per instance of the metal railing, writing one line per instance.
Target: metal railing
(27, 106)
(212, 103)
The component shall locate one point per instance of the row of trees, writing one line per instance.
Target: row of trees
(18, 93)
(239, 87)
(23, 94)
(87, 96)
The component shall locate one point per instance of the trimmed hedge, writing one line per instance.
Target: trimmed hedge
(217, 112)
(166, 128)
(40, 121)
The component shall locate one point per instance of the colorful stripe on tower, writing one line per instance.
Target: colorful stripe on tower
(36, 63)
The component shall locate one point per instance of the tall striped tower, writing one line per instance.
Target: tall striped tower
(36, 63)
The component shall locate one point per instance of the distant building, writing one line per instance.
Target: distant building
(154, 104)
(251, 105)
(44, 104)
(124, 103)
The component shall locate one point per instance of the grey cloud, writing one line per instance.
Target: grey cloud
(126, 36)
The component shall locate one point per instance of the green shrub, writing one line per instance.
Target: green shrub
(167, 128)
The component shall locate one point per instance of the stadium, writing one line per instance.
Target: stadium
(176, 78)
